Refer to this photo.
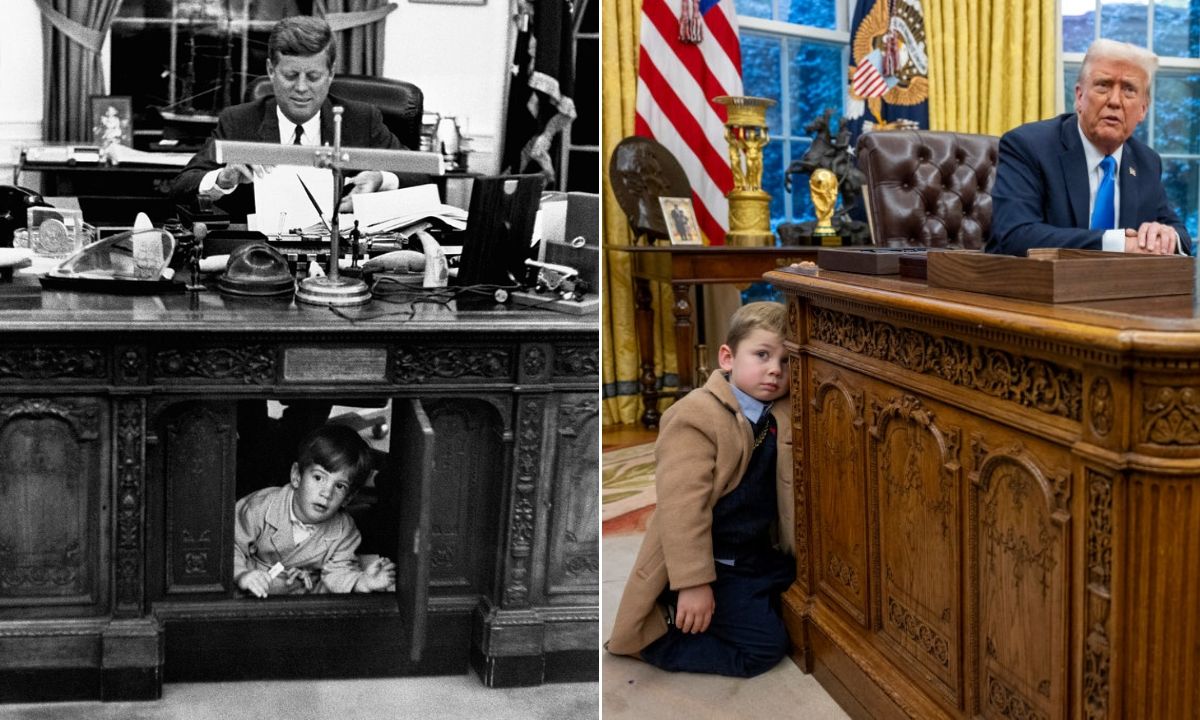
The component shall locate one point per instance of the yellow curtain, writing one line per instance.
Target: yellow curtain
(622, 364)
(991, 63)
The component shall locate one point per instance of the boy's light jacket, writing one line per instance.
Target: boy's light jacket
(703, 449)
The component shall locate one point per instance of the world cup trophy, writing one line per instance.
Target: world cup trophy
(749, 204)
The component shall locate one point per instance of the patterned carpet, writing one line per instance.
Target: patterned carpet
(627, 481)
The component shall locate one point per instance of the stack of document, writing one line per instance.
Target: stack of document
(404, 210)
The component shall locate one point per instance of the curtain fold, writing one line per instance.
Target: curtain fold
(621, 363)
(71, 68)
(991, 63)
(359, 25)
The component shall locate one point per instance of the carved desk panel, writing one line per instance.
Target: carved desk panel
(996, 501)
(119, 431)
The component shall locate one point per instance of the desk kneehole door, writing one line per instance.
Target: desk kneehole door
(415, 547)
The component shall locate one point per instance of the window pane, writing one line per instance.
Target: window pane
(1177, 28)
(816, 82)
(752, 8)
(1070, 74)
(760, 74)
(1177, 113)
(1125, 21)
(1182, 180)
(818, 13)
(772, 181)
(802, 207)
(1079, 24)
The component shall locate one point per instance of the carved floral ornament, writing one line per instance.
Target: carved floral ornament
(1171, 414)
(1100, 406)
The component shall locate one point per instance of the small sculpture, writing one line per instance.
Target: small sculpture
(836, 156)
(823, 186)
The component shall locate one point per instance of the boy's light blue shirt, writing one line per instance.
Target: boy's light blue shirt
(751, 408)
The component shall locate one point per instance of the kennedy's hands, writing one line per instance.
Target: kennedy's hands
(379, 574)
(367, 181)
(232, 175)
(694, 608)
(1152, 238)
(257, 582)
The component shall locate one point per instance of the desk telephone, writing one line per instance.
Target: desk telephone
(14, 202)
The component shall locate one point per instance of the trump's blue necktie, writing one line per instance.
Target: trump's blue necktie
(1103, 213)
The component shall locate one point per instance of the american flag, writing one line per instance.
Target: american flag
(677, 81)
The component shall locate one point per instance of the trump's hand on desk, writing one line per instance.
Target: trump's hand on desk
(1152, 238)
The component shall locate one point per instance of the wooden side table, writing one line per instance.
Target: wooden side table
(683, 266)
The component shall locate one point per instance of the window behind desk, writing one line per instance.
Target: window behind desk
(1171, 28)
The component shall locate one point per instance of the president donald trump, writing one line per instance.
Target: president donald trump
(1081, 180)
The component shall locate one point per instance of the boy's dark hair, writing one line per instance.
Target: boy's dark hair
(337, 447)
(771, 316)
(301, 35)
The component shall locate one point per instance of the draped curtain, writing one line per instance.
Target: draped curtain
(621, 362)
(991, 63)
(73, 32)
(359, 25)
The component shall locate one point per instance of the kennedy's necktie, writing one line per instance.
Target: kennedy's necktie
(299, 134)
(1103, 213)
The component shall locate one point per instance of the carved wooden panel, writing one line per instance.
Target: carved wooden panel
(522, 516)
(442, 364)
(576, 361)
(839, 493)
(51, 485)
(200, 471)
(573, 565)
(468, 471)
(917, 475)
(1022, 571)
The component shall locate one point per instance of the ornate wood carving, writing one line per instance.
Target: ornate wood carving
(533, 363)
(1036, 384)
(799, 478)
(1100, 406)
(574, 548)
(198, 475)
(1171, 414)
(572, 361)
(843, 572)
(82, 416)
(250, 365)
(130, 364)
(130, 443)
(51, 363)
(1007, 702)
(521, 521)
(432, 364)
(920, 632)
(1096, 650)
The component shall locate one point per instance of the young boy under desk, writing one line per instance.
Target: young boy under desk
(704, 592)
(294, 539)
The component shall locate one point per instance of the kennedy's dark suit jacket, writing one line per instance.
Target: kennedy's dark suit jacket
(362, 126)
(1040, 198)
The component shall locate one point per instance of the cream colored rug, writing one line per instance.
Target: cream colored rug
(627, 480)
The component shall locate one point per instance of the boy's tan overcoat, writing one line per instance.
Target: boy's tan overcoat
(703, 449)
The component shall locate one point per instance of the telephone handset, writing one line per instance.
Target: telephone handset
(14, 202)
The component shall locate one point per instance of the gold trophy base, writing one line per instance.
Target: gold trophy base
(829, 236)
(750, 219)
(340, 291)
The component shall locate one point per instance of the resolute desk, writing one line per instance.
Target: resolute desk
(118, 446)
(997, 501)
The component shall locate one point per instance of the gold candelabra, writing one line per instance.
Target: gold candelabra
(749, 204)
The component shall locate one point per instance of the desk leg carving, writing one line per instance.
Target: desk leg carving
(644, 321)
(684, 336)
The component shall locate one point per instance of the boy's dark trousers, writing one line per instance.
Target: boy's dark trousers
(746, 636)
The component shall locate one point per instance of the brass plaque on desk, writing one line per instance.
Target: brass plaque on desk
(311, 364)
(1063, 275)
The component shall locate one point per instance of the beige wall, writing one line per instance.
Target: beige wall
(458, 54)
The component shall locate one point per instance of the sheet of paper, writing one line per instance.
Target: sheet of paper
(384, 211)
(281, 203)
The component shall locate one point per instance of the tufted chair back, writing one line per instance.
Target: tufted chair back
(929, 189)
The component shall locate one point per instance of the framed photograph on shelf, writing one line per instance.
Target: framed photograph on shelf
(112, 120)
(680, 216)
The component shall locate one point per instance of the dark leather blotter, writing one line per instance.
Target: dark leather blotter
(866, 260)
(1063, 275)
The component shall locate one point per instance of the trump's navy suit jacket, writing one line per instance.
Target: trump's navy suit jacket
(1040, 198)
(362, 126)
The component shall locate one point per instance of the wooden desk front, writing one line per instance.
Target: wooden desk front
(997, 501)
(118, 440)
(683, 266)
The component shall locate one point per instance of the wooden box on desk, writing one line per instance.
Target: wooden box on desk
(1063, 274)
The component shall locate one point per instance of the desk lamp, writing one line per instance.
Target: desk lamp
(332, 289)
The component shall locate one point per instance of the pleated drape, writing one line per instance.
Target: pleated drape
(359, 25)
(991, 63)
(621, 362)
(72, 34)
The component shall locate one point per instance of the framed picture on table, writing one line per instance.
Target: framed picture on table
(112, 120)
(680, 216)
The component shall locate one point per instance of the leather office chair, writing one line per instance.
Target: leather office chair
(641, 171)
(401, 103)
(929, 189)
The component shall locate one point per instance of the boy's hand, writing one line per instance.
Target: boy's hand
(256, 582)
(694, 609)
(379, 574)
